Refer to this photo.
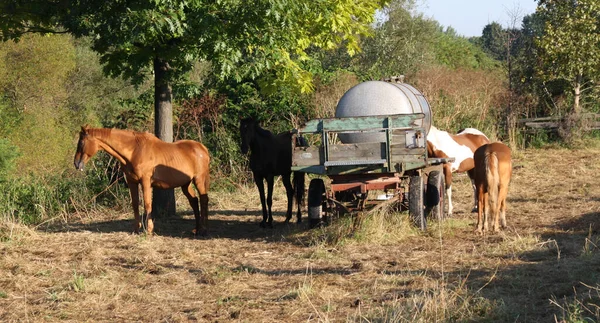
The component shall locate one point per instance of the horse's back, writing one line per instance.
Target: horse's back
(186, 156)
(461, 147)
(472, 139)
(502, 155)
(501, 150)
(275, 155)
(196, 153)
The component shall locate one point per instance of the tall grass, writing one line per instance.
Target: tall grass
(465, 98)
(38, 198)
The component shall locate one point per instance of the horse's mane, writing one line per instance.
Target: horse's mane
(143, 136)
(262, 132)
(105, 133)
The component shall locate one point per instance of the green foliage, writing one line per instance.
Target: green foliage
(570, 44)
(457, 52)
(8, 155)
(29, 81)
(50, 85)
(241, 41)
(32, 199)
(92, 97)
(406, 42)
(402, 42)
(494, 41)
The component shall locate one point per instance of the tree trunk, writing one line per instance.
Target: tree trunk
(577, 94)
(163, 201)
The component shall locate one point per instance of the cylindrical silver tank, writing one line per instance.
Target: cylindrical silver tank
(380, 98)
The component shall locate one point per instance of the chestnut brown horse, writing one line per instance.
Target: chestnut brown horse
(151, 162)
(441, 144)
(493, 170)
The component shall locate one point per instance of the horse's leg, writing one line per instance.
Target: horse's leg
(135, 204)
(270, 183)
(299, 190)
(202, 187)
(480, 207)
(289, 191)
(258, 180)
(188, 191)
(448, 177)
(471, 174)
(502, 209)
(147, 192)
(486, 210)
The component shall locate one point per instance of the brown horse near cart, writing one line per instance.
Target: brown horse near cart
(153, 163)
(493, 170)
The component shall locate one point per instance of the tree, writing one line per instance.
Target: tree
(570, 44)
(493, 40)
(267, 40)
(402, 42)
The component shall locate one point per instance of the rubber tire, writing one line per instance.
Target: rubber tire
(416, 206)
(316, 189)
(436, 191)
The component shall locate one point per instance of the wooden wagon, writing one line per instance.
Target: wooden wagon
(396, 168)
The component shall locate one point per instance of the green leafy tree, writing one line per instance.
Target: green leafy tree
(570, 44)
(493, 40)
(266, 40)
(402, 42)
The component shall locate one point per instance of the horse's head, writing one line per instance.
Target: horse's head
(87, 147)
(247, 131)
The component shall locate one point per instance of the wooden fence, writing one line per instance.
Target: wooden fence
(591, 121)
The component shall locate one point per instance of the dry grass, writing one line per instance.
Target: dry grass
(544, 267)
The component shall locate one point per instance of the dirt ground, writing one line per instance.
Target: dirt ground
(544, 267)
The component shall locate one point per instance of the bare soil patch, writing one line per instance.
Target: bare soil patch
(90, 268)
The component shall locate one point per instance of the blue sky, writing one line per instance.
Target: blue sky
(468, 17)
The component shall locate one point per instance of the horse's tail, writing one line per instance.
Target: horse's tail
(299, 185)
(493, 180)
(299, 177)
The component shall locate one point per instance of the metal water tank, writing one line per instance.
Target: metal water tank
(372, 98)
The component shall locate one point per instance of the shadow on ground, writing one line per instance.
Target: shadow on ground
(230, 224)
(564, 269)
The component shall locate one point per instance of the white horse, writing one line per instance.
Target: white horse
(441, 144)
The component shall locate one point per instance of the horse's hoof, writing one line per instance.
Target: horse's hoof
(474, 210)
(263, 224)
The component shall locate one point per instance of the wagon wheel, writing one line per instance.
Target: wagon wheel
(415, 202)
(316, 189)
(435, 196)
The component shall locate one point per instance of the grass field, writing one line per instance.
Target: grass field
(87, 267)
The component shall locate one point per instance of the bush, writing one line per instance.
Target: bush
(35, 198)
(8, 155)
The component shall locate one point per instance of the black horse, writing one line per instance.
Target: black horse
(270, 156)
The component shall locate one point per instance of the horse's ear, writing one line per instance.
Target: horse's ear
(85, 128)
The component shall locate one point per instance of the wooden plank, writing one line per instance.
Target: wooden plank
(364, 123)
(399, 159)
(364, 151)
(307, 156)
(558, 118)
